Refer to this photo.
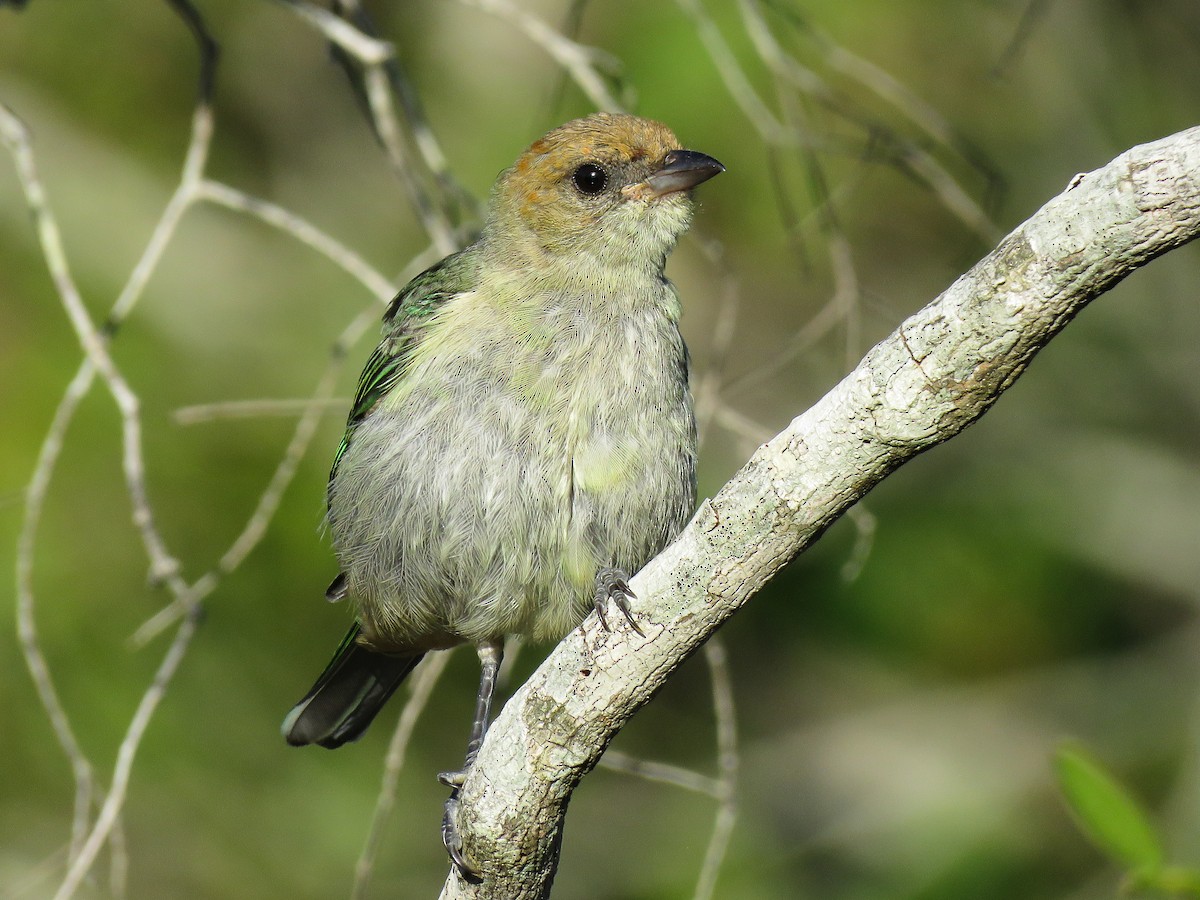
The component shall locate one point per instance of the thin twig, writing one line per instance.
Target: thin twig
(423, 684)
(203, 413)
(1032, 16)
(420, 133)
(268, 502)
(580, 61)
(363, 47)
(663, 773)
(736, 82)
(374, 55)
(118, 865)
(813, 331)
(185, 194)
(708, 385)
(302, 230)
(39, 669)
(96, 361)
(15, 135)
(16, 138)
(207, 76)
(728, 763)
(387, 126)
(891, 91)
(111, 808)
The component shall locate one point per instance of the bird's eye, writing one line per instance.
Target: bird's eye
(590, 179)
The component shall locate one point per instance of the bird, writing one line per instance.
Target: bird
(522, 438)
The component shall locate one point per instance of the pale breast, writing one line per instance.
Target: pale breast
(483, 496)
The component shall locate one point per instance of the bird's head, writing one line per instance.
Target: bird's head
(606, 191)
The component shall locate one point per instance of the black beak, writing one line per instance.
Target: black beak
(681, 171)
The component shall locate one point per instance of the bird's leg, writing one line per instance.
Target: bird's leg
(613, 584)
(491, 653)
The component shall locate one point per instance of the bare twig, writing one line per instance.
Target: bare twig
(740, 89)
(663, 773)
(186, 193)
(31, 650)
(582, 63)
(728, 762)
(707, 388)
(428, 676)
(14, 134)
(419, 131)
(268, 502)
(202, 413)
(302, 230)
(387, 126)
(916, 110)
(368, 50)
(111, 808)
(118, 867)
(374, 56)
(97, 361)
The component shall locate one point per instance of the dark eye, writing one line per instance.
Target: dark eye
(590, 179)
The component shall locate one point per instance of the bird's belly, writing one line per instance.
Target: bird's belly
(469, 510)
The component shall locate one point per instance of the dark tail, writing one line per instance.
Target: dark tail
(347, 696)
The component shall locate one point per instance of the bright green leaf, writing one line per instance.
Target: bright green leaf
(1106, 812)
(1176, 882)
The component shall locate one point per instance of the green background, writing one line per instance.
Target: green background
(1035, 579)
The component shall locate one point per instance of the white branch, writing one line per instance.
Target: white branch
(580, 62)
(939, 372)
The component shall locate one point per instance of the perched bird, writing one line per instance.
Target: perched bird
(522, 439)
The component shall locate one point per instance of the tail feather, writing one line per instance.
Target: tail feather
(347, 696)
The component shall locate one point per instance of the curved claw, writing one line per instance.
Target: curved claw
(452, 841)
(613, 584)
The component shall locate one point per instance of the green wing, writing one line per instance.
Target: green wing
(404, 324)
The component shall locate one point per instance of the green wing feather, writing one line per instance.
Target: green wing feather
(404, 324)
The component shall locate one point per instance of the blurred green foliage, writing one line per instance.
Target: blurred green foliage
(1106, 812)
(1116, 824)
(1036, 577)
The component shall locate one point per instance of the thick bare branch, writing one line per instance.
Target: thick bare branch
(936, 374)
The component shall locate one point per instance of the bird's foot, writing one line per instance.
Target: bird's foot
(613, 584)
(451, 839)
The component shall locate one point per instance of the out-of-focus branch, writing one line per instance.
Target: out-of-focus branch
(428, 676)
(302, 230)
(937, 373)
(582, 63)
(94, 342)
(374, 57)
